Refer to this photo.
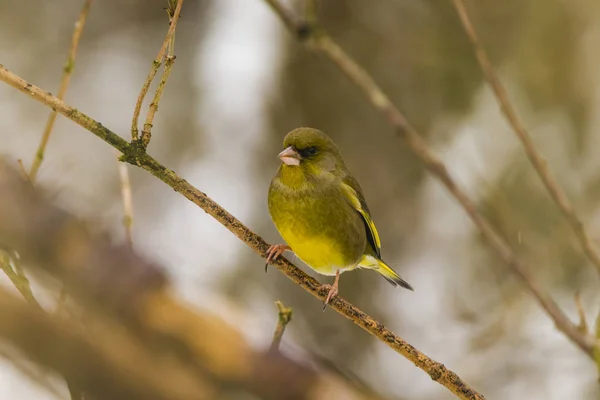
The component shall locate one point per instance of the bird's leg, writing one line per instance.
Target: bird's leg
(274, 251)
(333, 289)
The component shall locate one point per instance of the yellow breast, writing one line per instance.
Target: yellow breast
(318, 252)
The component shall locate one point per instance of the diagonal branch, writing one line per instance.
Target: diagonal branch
(64, 85)
(536, 159)
(320, 42)
(135, 154)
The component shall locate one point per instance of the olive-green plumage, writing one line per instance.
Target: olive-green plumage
(320, 211)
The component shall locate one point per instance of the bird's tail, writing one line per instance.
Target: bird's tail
(391, 276)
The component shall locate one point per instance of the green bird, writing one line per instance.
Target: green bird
(319, 209)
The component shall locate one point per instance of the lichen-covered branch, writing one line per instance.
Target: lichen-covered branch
(319, 41)
(134, 153)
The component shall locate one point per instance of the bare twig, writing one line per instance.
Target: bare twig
(583, 325)
(536, 159)
(168, 42)
(284, 317)
(127, 200)
(23, 170)
(64, 84)
(136, 155)
(19, 280)
(319, 41)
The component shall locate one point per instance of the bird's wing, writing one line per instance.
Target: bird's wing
(354, 195)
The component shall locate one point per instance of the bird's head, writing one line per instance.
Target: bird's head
(312, 151)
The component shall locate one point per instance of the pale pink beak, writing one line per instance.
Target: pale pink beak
(289, 156)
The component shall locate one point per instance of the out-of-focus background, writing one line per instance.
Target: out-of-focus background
(240, 82)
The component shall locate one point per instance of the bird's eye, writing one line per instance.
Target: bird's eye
(308, 152)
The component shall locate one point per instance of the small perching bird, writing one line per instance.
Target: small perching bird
(320, 211)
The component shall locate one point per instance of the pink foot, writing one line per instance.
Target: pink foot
(333, 291)
(274, 251)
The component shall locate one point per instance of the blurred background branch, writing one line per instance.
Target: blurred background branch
(537, 160)
(127, 197)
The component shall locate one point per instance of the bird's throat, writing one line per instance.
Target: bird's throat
(293, 177)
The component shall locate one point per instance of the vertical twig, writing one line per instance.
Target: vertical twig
(127, 197)
(285, 316)
(64, 85)
(583, 325)
(538, 162)
(168, 42)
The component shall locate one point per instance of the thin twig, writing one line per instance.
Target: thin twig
(127, 200)
(536, 159)
(284, 317)
(319, 41)
(22, 169)
(64, 85)
(153, 108)
(583, 325)
(136, 155)
(20, 281)
(173, 18)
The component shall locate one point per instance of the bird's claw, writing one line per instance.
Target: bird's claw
(333, 291)
(273, 253)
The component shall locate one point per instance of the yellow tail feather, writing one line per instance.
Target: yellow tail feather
(391, 276)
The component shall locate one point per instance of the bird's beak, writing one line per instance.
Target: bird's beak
(289, 156)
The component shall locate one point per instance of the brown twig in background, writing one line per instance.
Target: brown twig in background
(23, 170)
(136, 155)
(319, 41)
(64, 84)
(284, 318)
(21, 283)
(536, 159)
(168, 42)
(115, 364)
(127, 200)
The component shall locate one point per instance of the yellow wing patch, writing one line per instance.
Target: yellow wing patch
(355, 202)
